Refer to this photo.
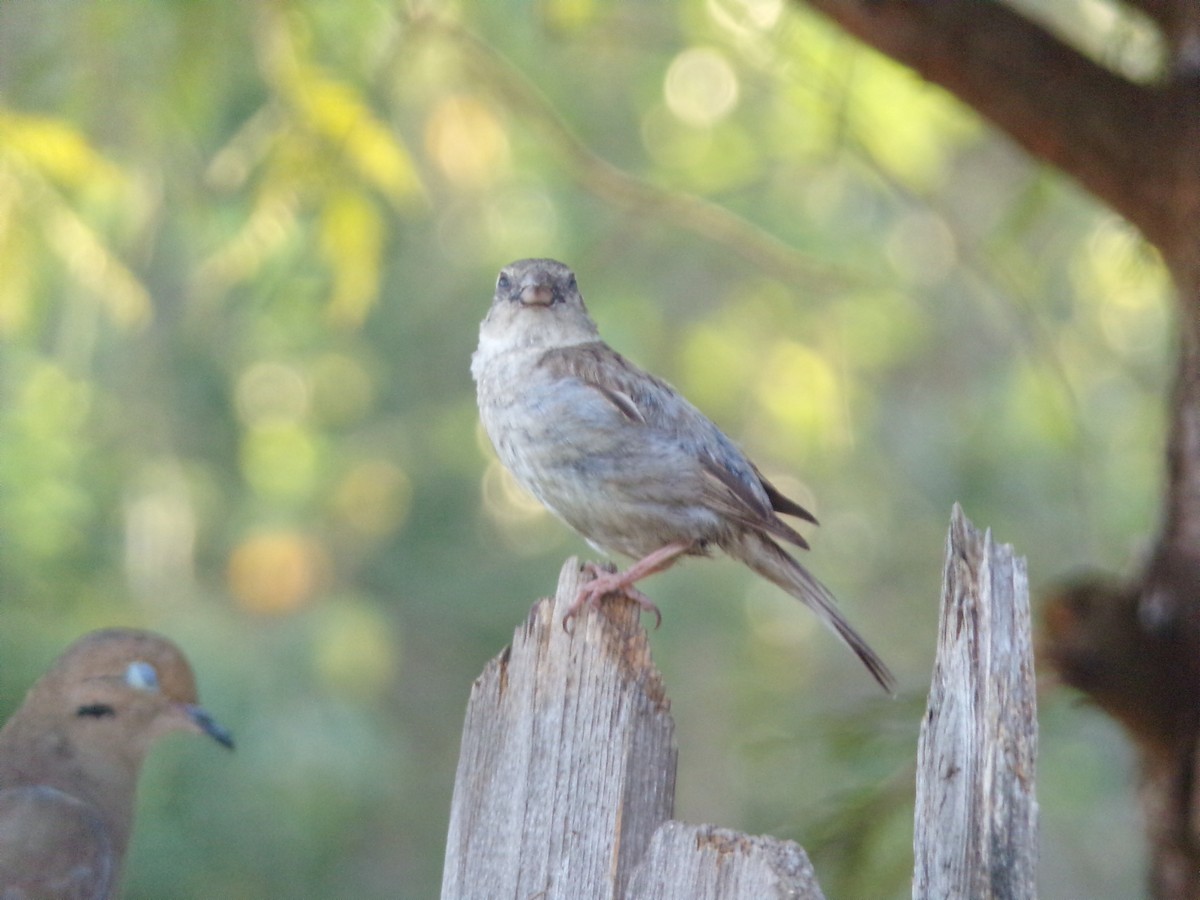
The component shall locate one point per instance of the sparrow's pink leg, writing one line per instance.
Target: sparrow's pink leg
(604, 583)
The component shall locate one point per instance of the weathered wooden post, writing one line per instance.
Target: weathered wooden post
(566, 778)
(976, 818)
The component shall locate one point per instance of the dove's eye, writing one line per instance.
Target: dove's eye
(141, 675)
(571, 284)
(503, 282)
(96, 710)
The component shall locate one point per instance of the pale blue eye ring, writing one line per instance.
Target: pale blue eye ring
(141, 675)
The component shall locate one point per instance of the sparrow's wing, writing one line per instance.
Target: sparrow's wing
(730, 484)
(53, 845)
(781, 503)
(730, 494)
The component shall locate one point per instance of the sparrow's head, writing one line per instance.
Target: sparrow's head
(537, 304)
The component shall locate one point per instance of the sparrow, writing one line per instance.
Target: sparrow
(70, 758)
(622, 457)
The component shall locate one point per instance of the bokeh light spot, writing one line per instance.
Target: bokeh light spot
(521, 218)
(776, 620)
(373, 498)
(701, 87)
(921, 248)
(355, 652)
(505, 500)
(342, 391)
(1121, 274)
(271, 391)
(800, 390)
(744, 17)
(466, 140)
(276, 572)
(280, 460)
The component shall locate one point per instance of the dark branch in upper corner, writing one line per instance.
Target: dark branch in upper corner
(1056, 103)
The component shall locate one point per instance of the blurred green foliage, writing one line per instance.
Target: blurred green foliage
(244, 248)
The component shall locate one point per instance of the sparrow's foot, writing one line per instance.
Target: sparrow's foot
(604, 584)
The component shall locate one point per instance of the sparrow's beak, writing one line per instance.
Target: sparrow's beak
(208, 725)
(537, 295)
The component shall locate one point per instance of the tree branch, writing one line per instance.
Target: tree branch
(1058, 105)
(1182, 526)
(638, 196)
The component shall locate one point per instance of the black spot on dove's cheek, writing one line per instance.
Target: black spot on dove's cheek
(96, 710)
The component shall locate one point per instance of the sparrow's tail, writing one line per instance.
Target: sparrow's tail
(770, 561)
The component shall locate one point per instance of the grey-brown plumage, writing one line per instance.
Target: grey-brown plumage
(620, 456)
(71, 755)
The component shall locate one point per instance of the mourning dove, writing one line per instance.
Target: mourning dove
(70, 758)
(620, 456)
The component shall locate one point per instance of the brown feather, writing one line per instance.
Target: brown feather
(783, 504)
(738, 502)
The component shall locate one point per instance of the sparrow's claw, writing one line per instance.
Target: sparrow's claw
(604, 584)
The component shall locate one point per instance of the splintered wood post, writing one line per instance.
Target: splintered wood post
(566, 778)
(567, 762)
(700, 862)
(976, 816)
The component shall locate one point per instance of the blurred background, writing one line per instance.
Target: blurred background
(244, 251)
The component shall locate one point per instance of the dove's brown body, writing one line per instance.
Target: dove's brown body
(70, 758)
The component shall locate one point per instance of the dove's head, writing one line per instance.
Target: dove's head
(537, 304)
(123, 688)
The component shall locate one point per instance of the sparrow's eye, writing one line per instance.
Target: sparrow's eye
(503, 282)
(571, 284)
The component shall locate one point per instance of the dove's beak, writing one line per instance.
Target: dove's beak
(208, 725)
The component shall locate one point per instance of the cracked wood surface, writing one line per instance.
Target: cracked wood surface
(975, 831)
(566, 778)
